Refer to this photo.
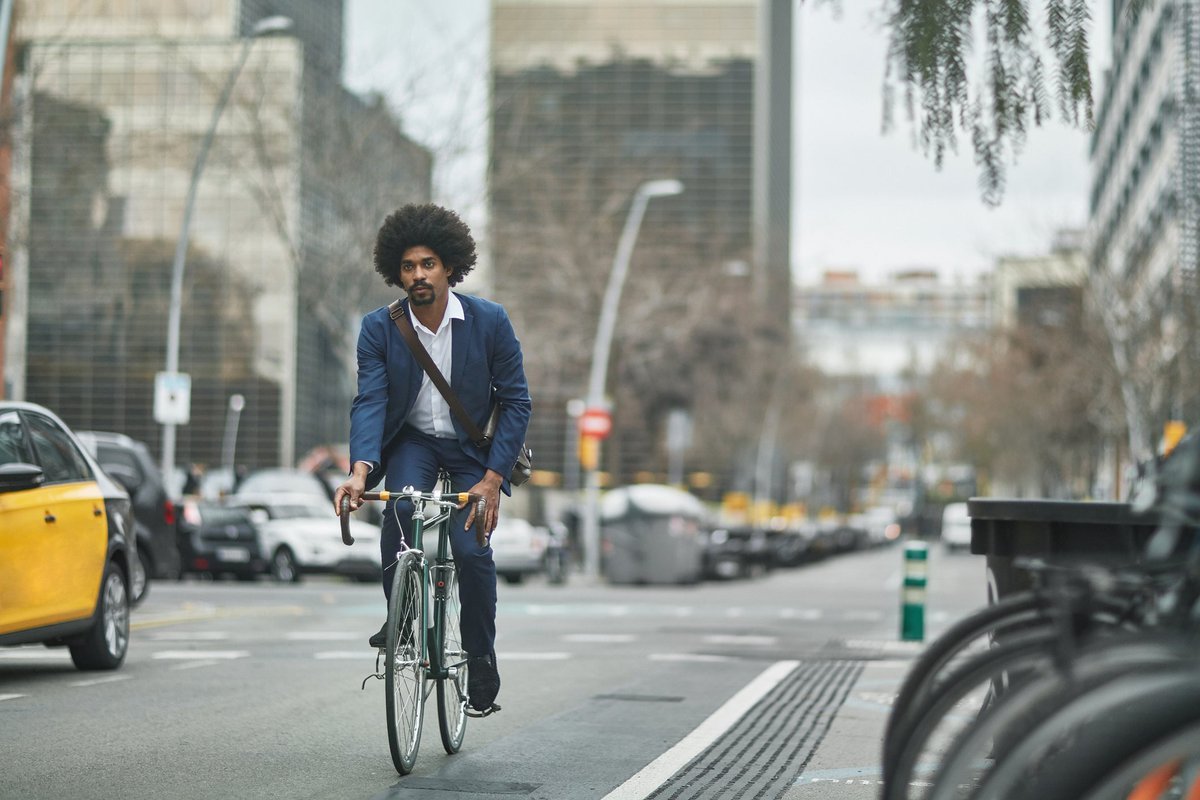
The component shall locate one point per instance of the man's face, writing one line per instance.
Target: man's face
(423, 275)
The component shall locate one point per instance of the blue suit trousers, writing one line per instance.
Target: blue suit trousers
(414, 460)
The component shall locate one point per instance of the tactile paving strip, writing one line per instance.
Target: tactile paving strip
(767, 749)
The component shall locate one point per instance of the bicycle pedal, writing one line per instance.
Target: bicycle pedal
(470, 712)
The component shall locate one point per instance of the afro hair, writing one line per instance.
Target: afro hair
(428, 225)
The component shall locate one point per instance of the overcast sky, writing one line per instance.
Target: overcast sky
(863, 200)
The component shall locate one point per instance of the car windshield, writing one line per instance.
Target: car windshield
(298, 511)
(269, 481)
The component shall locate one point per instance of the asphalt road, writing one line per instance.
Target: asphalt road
(253, 690)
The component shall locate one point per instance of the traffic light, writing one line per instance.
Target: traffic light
(589, 452)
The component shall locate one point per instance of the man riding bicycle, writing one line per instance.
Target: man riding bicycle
(402, 429)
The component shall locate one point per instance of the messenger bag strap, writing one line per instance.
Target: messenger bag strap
(396, 312)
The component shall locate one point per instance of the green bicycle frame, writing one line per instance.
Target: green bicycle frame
(434, 575)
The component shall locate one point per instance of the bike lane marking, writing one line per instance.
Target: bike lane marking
(658, 771)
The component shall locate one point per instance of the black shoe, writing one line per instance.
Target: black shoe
(380, 639)
(483, 683)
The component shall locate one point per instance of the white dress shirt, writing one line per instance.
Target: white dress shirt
(431, 413)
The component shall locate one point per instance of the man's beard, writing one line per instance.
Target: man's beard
(422, 301)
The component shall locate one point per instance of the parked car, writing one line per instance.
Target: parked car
(519, 548)
(289, 481)
(881, 525)
(736, 551)
(297, 533)
(215, 540)
(69, 569)
(956, 527)
(129, 462)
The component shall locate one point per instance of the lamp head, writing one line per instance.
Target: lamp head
(661, 188)
(269, 25)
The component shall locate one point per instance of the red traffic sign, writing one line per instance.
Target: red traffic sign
(595, 422)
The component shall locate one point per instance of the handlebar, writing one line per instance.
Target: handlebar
(454, 500)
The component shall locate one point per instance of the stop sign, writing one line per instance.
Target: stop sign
(595, 422)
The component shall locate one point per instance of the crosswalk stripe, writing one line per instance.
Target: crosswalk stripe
(196, 655)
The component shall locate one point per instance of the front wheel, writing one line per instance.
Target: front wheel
(405, 664)
(452, 690)
(284, 568)
(104, 646)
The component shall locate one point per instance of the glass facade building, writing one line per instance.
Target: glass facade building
(591, 98)
(113, 102)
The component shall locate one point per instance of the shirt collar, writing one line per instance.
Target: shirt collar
(454, 310)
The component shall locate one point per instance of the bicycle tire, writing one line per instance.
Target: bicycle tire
(405, 666)
(1182, 744)
(1020, 614)
(1100, 727)
(1030, 650)
(919, 679)
(1038, 700)
(452, 689)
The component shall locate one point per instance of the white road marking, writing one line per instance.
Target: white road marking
(749, 641)
(800, 613)
(321, 636)
(700, 657)
(550, 656)
(4, 697)
(189, 636)
(735, 612)
(364, 654)
(35, 653)
(601, 638)
(196, 655)
(862, 616)
(194, 664)
(658, 771)
(98, 681)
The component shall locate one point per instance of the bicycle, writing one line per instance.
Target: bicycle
(424, 641)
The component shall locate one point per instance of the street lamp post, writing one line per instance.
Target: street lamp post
(263, 27)
(601, 347)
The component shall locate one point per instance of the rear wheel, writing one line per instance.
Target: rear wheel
(105, 644)
(452, 691)
(404, 667)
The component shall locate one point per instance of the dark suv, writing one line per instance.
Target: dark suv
(128, 461)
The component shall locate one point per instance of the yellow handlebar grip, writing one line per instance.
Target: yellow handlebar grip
(464, 497)
(385, 496)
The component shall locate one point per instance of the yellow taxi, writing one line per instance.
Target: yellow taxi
(68, 558)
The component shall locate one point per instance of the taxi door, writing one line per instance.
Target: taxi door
(59, 548)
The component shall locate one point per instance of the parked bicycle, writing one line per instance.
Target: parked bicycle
(1085, 687)
(424, 642)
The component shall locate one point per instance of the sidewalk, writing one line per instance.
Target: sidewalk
(846, 764)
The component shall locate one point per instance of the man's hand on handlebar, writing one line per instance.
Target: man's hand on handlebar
(353, 488)
(489, 490)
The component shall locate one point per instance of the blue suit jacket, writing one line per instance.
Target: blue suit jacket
(486, 368)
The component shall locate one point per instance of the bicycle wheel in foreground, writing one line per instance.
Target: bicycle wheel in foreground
(405, 668)
(452, 690)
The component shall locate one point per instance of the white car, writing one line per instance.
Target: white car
(519, 548)
(298, 533)
(956, 527)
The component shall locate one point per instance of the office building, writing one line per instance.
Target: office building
(591, 98)
(1144, 212)
(114, 100)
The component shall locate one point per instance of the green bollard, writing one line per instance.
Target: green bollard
(912, 608)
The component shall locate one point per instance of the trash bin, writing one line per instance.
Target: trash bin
(1056, 531)
(652, 534)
